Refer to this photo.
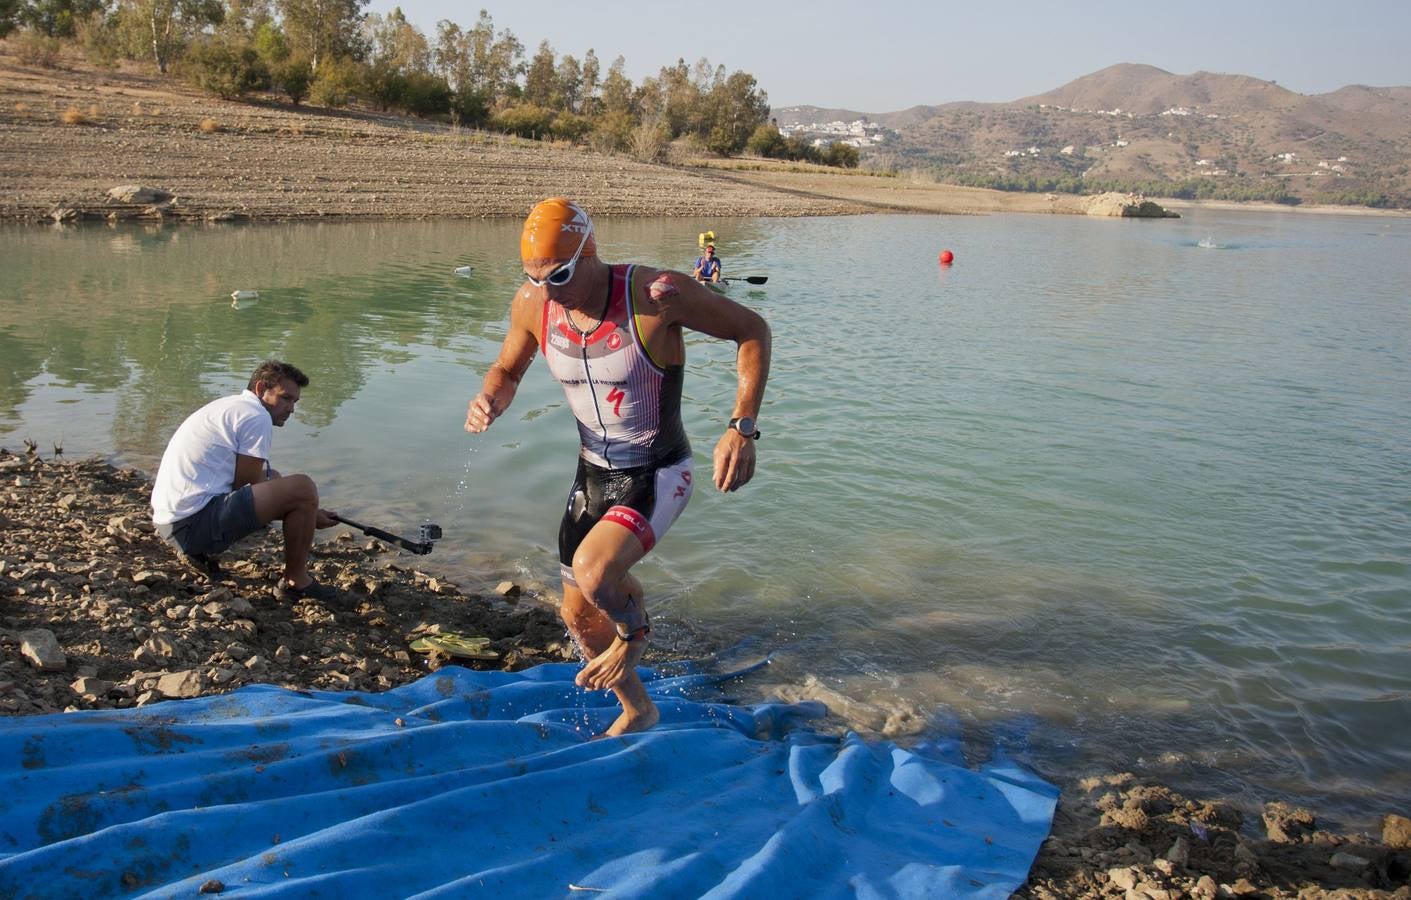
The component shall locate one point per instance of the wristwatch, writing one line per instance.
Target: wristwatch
(745, 425)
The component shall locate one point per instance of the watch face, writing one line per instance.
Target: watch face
(745, 425)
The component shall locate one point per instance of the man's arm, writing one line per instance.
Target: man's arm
(248, 470)
(502, 380)
(685, 303)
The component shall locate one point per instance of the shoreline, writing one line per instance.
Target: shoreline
(269, 161)
(79, 558)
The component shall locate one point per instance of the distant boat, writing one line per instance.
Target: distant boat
(463, 271)
(242, 299)
(1208, 243)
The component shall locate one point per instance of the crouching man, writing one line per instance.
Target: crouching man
(215, 484)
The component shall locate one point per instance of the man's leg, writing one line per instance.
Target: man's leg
(606, 590)
(293, 499)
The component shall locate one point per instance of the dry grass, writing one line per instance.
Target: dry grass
(93, 111)
(209, 126)
(72, 116)
(21, 108)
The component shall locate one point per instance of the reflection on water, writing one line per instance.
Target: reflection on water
(1092, 489)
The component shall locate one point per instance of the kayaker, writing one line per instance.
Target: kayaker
(612, 336)
(708, 266)
(215, 484)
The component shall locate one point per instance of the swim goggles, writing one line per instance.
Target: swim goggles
(564, 273)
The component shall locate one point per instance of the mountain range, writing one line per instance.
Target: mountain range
(1137, 127)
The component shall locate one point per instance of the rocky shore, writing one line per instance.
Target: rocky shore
(96, 612)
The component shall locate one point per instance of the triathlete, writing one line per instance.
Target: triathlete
(612, 335)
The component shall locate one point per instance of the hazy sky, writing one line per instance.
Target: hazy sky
(885, 55)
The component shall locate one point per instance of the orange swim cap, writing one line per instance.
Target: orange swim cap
(554, 230)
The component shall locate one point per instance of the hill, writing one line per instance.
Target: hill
(1138, 127)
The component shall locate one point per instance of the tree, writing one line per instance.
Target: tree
(481, 66)
(52, 18)
(590, 80)
(9, 16)
(541, 86)
(570, 83)
(617, 89)
(735, 107)
(323, 30)
(162, 27)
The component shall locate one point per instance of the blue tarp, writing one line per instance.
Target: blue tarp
(485, 783)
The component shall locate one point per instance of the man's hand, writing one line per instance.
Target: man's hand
(734, 459)
(481, 413)
(325, 519)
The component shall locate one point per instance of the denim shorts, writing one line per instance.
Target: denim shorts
(220, 523)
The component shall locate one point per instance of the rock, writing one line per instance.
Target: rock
(1125, 877)
(1287, 824)
(507, 589)
(1245, 855)
(1118, 205)
(189, 683)
(91, 687)
(1205, 888)
(156, 650)
(213, 886)
(62, 214)
(1179, 853)
(1396, 832)
(136, 193)
(1351, 861)
(41, 649)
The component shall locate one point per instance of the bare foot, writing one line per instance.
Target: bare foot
(609, 669)
(629, 722)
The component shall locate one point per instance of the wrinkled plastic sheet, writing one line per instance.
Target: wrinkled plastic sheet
(473, 783)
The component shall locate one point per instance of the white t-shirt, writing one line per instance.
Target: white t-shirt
(199, 462)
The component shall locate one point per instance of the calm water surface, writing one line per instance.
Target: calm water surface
(1103, 490)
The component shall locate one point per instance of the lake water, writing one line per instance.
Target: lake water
(1123, 494)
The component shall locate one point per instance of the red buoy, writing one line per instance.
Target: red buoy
(947, 257)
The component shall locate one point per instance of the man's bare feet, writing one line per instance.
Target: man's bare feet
(608, 669)
(630, 722)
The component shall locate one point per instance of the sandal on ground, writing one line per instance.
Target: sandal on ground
(200, 563)
(323, 593)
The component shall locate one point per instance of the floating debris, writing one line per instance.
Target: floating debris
(243, 299)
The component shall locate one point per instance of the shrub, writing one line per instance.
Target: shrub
(842, 155)
(525, 120)
(424, 94)
(35, 49)
(225, 69)
(612, 132)
(336, 83)
(469, 108)
(766, 141)
(99, 39)
(72, 116)
(209, 126)
(291, 77)
(649, 141)
(569, 127)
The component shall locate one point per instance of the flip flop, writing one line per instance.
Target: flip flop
(457, 645)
